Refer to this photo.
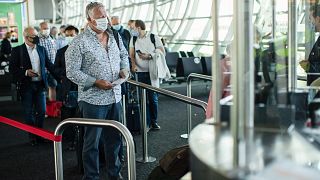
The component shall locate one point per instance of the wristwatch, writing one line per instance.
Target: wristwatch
(150, 57)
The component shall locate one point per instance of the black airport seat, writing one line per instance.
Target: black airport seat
(207, 64)
(183, 54)
(188, 65)
(171, 60)
(190, 54)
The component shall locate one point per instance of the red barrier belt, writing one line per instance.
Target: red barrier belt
(37, 131)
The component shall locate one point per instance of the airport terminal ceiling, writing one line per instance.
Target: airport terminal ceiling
(185, 24)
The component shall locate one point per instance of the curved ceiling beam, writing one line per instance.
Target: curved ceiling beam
(182, 21)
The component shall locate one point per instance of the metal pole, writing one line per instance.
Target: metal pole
(145, 158)
(58, 160)
(189, 113)
(243, 77)
(216, 74)
(189, 94)
(273, 6)
(96, 122)
(292, 18)
(124, 112)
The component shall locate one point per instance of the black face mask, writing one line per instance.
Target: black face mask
(35, 40)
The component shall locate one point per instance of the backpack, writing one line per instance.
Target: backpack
(173, 165)
(116, 36)
(153, 40)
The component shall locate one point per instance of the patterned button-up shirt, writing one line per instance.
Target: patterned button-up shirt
(49, 44)
(87, 60)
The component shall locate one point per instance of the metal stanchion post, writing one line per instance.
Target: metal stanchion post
(124, 120)
(145, 158)
(58, 160)
(97, 122)
(189, 113)
(124, 110)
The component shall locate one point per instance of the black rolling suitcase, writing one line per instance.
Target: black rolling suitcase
(133, 117)
(133, 109)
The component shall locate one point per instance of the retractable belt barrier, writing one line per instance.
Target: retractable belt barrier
(203, 105)
(56, 137)
(30, 129)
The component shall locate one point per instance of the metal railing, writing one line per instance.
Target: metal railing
(189, 92)
(165, 92)
(96, 122)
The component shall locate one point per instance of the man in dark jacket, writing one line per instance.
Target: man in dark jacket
(60, 64)
(314, 56)
(124, 33)
(28, 65)
(68, 90)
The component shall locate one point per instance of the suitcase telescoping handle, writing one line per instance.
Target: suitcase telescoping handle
(137, 88)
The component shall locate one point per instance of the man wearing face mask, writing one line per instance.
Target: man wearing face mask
(28, 65)
(94, 61)
(49, 44)
(125, 34)
(313, 61)
(131, 25)
(144, 47)
(68, 90)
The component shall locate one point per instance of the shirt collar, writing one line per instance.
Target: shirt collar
(44, 37)
(91, 31)
(29, 47)
(145, 35)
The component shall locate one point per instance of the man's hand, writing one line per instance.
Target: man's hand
(133, 67)
(145, 56)
(32, 73)
(124, 73)
(103, 84)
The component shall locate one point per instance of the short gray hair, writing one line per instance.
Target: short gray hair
(27, 29)
(115, 17)
(91, 6)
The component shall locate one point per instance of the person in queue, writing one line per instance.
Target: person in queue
(124, 33)
(49, 44)
(5, 47)
(28, 65)
(131, 26)
(312, 65)
(54, 32)
(93, 62)
(68, 89)
(141, 52)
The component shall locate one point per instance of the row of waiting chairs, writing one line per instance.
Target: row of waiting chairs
(183, 66)
(186, 54)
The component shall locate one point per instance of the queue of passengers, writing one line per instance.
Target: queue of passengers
(84, 65)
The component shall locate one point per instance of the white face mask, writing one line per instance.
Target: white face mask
(45, 32)
(69, 39)
(102, 24)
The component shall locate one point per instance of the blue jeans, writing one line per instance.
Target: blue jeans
(34, 104)
(152, 99)
(110, 137)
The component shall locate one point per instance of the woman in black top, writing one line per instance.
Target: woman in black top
(5, 47)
